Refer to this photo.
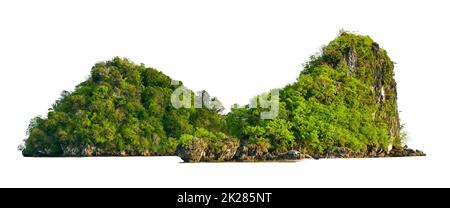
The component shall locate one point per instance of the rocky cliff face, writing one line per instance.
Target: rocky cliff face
(368, 62)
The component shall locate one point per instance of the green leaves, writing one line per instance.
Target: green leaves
(185, 140)
(123, 108)
(344, 98)
(280, 134)
(332, 105)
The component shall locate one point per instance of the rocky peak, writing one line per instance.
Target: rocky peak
(367, 61)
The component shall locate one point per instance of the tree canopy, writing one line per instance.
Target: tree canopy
(122, 109)
(344, 98)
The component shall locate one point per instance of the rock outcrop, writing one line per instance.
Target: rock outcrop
(193, 152)
(406, 152)
(371, 64)
(228, 150)
(224, 153)
(293, 155)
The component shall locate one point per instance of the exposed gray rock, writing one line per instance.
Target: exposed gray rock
(293, 155)
(352, 59)
(290, 155)
(406, 152)
(71, 151)
(193, 152)
(241, 153)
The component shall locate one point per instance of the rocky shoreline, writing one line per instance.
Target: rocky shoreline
(197, 151)
(232, 151)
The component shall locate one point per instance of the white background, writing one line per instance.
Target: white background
(233, 49)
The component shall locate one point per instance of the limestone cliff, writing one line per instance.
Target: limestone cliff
(367, 61)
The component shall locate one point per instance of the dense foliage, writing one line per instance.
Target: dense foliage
(344, 98)
(122, 109)
(334, 104)
(325, 109)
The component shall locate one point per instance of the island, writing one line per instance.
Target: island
(342, 105)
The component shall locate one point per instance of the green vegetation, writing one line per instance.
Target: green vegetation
(122, 109)
(345, 98)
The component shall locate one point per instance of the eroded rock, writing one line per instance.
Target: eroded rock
(193, 152)
(293, 155)
(228, 150)
(406, 152)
